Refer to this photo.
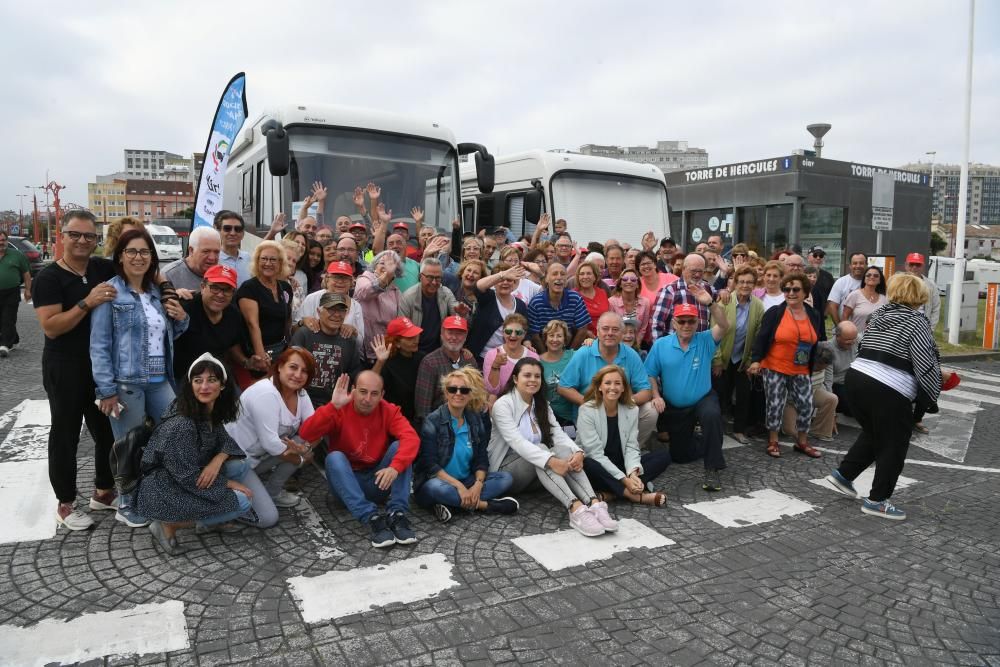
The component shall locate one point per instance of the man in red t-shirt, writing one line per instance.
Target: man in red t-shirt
(371, 449)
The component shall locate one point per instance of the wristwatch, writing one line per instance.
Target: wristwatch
(82, 305)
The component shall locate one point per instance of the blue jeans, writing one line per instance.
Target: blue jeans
(439, 492)
(140, 401)
(232, 469)
(357, 488)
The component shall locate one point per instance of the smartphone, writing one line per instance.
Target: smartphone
(120, 406)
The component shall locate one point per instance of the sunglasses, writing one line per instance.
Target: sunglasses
(464, 391)
(788, 289)
(739, 254)
(228, 229)
(684, 322)
(514, 332)
(872, 275)
(630, 279)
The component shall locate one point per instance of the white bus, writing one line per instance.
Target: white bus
(277, 157)
(598, 197)
(168, 244)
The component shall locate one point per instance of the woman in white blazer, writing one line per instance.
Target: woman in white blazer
(607, 429)
(528, 443)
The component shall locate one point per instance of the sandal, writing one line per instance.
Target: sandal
(920, 428)
(654, 499)
(773, 449)
(808, 450)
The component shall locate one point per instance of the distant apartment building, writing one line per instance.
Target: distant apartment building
(106, 197)
(667, 155)
(162, 165)
(149, 200)
(982, 200)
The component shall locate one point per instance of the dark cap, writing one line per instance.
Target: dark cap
(329, 300)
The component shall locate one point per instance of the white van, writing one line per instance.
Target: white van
(598, 197)
(168, 244)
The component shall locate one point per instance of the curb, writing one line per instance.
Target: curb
(973, 356)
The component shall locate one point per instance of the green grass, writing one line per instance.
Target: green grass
(968, 342)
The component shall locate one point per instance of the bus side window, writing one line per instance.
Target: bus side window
(484, 212)
(468, 215)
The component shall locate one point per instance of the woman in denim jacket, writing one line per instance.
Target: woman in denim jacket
(132, 345)
(452, 468)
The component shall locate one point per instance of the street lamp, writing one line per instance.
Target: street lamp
(933, 155)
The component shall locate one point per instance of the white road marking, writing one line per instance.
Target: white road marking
(148, 628)
(728, 442)
(964, 408)
(977, 385)
(932, 464)
(346, 592)
(958, 393)
(977, 375)
(28, 437)
(759, 507)
(28, 501)
(322, 536)
(950, 435)
(863, 482)
(568, 548)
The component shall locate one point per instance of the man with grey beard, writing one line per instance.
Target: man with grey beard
(452, 355)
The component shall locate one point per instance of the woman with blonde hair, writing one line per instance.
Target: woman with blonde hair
(452, 469)
(595, 299)
(265, 300)
(114, 231)
(607, 430)
(628, 302)
(770, 294)
(554, 360)
(295, 276)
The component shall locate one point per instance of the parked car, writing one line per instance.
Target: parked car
(28, 249)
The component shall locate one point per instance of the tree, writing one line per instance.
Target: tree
(186, 213)
(938, 244)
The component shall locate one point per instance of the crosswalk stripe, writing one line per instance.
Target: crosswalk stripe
(964, 408)
(958, 393)
(978, 375)
(28, 436)
(863, 482)
(345, 592)
(145, 629)
(757, 507)
(30, 504)
(568, 548)
(980, 385)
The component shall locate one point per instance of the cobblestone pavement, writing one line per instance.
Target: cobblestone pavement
(820, 585)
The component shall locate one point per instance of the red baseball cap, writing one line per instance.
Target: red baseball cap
(402, 225)
(915, 258)
(358, 225)
(455, 322)
(340, 268)
(402, 326)
(685, 310)
(220, 273)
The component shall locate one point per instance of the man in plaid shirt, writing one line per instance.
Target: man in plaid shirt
(452, 355)
(677, 293)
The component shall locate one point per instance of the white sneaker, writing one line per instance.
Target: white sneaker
(584, 522)
(67, 515)
(285, 500)
(600, 510)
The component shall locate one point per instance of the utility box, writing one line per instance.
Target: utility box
(969, 309)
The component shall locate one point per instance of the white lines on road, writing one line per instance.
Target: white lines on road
(346, 592)
(863, 483)
(148, 628)
(978, 375)
(958, 393)
(980, 385)
(758, 507)
(931, 464)
(28, 437)
(568, 548)
(322, 536)
(964, 408)
(28, 501)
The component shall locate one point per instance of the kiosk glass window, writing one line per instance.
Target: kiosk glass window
(824, 226)
(709, 222)
(765, 228)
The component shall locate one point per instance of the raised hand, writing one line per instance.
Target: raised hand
(279, 223)
(359, 197)
(703, 296)
(383, 215)
(739, 261)
(380, 349)
(341, 396)
(374, 191)
(318, 191)
(417, 214)
(456, 223)
(462, 309)
(500, 359)
(544, 222)
(648, 241)
(515, 273)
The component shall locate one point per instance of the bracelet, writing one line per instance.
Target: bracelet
(302, 461)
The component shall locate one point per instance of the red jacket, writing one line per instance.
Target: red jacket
(364, 439)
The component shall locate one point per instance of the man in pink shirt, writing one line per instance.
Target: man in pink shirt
(371, 449)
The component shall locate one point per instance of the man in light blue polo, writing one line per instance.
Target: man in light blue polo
(680, 366)
(231, 230)
(607, 350)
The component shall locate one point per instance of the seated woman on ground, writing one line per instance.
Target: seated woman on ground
(452, 470)
(528, 443)
(607, 429)
(192, 470)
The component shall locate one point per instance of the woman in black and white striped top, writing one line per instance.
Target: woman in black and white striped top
(897, 365)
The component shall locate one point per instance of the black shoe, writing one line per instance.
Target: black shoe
(381, 535)
(442, 513)
(401, 528)
(506, 505)
(713, 481)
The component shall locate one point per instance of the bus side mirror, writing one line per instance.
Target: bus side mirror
(532, 205)
(485, 165)
(277, 147)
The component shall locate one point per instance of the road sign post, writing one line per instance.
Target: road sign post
(883, 194)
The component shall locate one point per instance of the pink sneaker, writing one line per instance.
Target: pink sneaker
(584, 522)
(600, 512)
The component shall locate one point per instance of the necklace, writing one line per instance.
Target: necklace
(83, 276)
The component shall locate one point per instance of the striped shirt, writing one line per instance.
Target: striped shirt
(674, 294)
(900, 337)
(572, 310)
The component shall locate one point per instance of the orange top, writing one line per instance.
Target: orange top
(787, 336)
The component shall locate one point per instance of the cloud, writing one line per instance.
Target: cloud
(738, 79)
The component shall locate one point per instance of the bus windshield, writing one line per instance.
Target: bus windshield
(411, 172)
(594, 199)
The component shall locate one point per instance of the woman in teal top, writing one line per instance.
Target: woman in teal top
(554, 361)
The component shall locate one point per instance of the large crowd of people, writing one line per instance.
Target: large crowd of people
(461, 368)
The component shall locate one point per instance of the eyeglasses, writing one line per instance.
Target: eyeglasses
(131, 253)
(89, 237)
(433, 279)
(514, 332)
(220, 290)
(788, 289)
(464, 391)
(268, 260)
(797, 265)
(228, 229)
(630, 279)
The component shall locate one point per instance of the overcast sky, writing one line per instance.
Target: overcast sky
(740, 79)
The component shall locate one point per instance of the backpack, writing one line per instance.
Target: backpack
(126, 458)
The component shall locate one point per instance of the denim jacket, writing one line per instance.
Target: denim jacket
(437, 444)
(119, 342)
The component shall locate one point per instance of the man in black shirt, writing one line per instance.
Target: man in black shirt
(64, 294)
(824, 280)
(216, 325)
(335, 354)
